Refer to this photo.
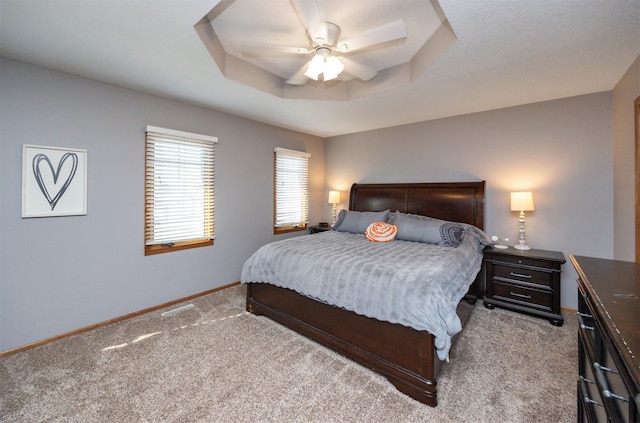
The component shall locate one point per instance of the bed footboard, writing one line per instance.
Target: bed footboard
(405, 356)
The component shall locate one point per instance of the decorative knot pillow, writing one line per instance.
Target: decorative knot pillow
(381, 232)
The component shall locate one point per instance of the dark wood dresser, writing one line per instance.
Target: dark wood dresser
(608, 340)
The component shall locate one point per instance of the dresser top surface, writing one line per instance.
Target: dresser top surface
(615, 287)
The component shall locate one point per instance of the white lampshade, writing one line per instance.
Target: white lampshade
(334, 197)
(522, 201)
(332, 68)
(315, 67)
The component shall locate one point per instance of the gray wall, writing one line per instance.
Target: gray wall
(59, 274)
(560, 150)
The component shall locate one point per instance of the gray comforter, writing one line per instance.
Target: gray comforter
(414, 284)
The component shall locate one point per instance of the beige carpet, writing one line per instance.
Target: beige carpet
(216, 363)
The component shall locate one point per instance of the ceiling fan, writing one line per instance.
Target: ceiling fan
(329, 59)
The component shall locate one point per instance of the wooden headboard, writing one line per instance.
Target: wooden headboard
(454, 201)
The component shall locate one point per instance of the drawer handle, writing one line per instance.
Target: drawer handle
(586, 392)
(516, 294)
(584, 379)
(582, 325)
(610, 394)
(600, 370)
(520, 275)
(606, 369)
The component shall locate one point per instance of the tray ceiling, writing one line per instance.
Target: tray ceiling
(234, 24)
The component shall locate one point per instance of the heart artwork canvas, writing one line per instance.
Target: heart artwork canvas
(54, 181)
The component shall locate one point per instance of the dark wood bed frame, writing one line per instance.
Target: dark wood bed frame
(405, 356)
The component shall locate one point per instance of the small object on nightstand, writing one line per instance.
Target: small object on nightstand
(525, 281)
(498, 244)
(319, 228)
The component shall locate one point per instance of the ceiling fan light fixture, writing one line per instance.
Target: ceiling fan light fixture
(324, 63)
(316, 67)
(332, 68)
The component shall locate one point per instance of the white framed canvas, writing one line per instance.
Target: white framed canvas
(54, 181)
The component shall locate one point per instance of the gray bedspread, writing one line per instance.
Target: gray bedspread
(414, 284)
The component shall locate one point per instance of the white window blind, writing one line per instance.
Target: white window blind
(291, 188)
(179, 182)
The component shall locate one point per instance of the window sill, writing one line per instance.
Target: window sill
(286, 229)
(177, 246)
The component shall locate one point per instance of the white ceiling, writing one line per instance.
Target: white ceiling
(507, 53)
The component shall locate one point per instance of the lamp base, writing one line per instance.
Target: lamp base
(521, 247)
(333, 215)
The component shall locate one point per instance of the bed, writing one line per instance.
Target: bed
(407, 357)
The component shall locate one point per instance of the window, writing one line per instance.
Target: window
(291, 190)
(179, 200)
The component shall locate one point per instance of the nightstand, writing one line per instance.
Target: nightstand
(315, 229)
(524, 281)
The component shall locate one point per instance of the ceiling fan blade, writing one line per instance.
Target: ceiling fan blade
(307, 11)
(298, 78)
(356, 69)
(262, 50)
(382, 34)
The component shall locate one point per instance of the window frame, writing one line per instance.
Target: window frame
(155, 134)
(304, 224)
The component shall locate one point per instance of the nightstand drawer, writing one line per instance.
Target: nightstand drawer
(515, 293)
(520, 274)
(521, 260)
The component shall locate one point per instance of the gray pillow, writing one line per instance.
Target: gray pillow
(357, 222)
(413, 227)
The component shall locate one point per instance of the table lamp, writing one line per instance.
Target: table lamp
(334, 198)
(522, 202)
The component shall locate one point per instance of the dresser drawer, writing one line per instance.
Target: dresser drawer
(616, 396)
(521, 294)
(520, 274)
(587, 332)
(589, 395)
(587, 329)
